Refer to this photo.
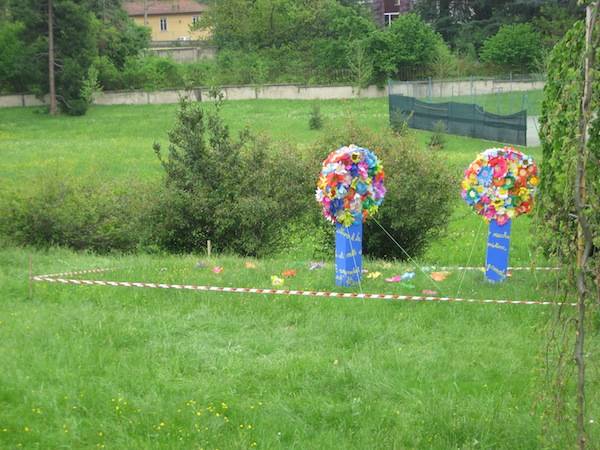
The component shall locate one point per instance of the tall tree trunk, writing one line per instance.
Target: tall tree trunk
(584, 230)
(51, 80)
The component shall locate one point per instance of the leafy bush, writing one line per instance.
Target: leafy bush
(90, 85)
(239, 193)
(60, 211)
(514, 47)
(437, 139)
(408, 48)
(420, 190)
(14, 57)
(399, 122)
(109, 77)
(151, 73)
(315, 122)
(555, 210)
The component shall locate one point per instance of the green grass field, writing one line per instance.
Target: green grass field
(501, 102)
(102, 367)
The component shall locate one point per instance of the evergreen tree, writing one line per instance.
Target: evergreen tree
(81, 30)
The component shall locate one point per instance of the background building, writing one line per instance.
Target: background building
(169, 20)
(385, 11)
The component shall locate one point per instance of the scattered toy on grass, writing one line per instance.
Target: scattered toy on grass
(276, 281)
(316, 265)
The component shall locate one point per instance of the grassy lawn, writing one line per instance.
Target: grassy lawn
(128, 368)
(501, 102)
(101, 367)
(116, 141)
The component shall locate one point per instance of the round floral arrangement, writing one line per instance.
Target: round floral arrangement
(500, 184)
(350, 186)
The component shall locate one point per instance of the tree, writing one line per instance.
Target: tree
(62, 38)
(13, 57)
(51, 58)
(514, 47)
(406, 48)
(466, 24)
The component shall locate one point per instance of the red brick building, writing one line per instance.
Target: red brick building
(385, 11)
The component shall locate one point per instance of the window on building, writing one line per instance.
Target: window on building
(195, 20)
(163, 24)
(389, 17)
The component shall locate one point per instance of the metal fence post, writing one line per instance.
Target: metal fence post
(430, 88)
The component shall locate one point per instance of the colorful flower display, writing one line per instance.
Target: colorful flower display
(350, 186)
(500, 184)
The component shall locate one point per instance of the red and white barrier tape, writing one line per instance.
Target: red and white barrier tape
(75, 273)
(191, 287)
(434, 268)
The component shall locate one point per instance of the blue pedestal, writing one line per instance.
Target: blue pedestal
(498, 246)
(348, 253)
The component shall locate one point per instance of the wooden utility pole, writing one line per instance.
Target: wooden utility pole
(51, 80)
(584, 232)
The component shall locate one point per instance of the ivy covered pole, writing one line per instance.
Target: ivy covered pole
(499, 185)
(585, 238)
(350, 189)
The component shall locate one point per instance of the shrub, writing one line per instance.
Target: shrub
(90, 85)
(514, 47)
(437, 140)
(399, 122)
(420, 190)
(239, 193)
(315, 122)
(61, 211)
(109, 76)
(14, 56)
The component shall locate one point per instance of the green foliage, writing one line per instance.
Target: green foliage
(151, 73)
(85, 31)
(419, 195)
(555, 19)
(560, 136)
(90, 85)
(406, 49)
(239, 193)
(437, 140)
(414, 43)
(315, 122)
(466, 25)
(514, 47)
(71, 212)
(14, 57)
(399, 122)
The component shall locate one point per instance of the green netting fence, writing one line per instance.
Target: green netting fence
(465, 119)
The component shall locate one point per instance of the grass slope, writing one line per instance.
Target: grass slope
(124, 368)
(128, 368)
(116, 141)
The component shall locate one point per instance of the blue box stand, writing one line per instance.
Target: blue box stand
(348, 253)
(498, 246)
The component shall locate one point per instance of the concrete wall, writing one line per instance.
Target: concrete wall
(185, 54)
(294, 92)
(423, 89)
